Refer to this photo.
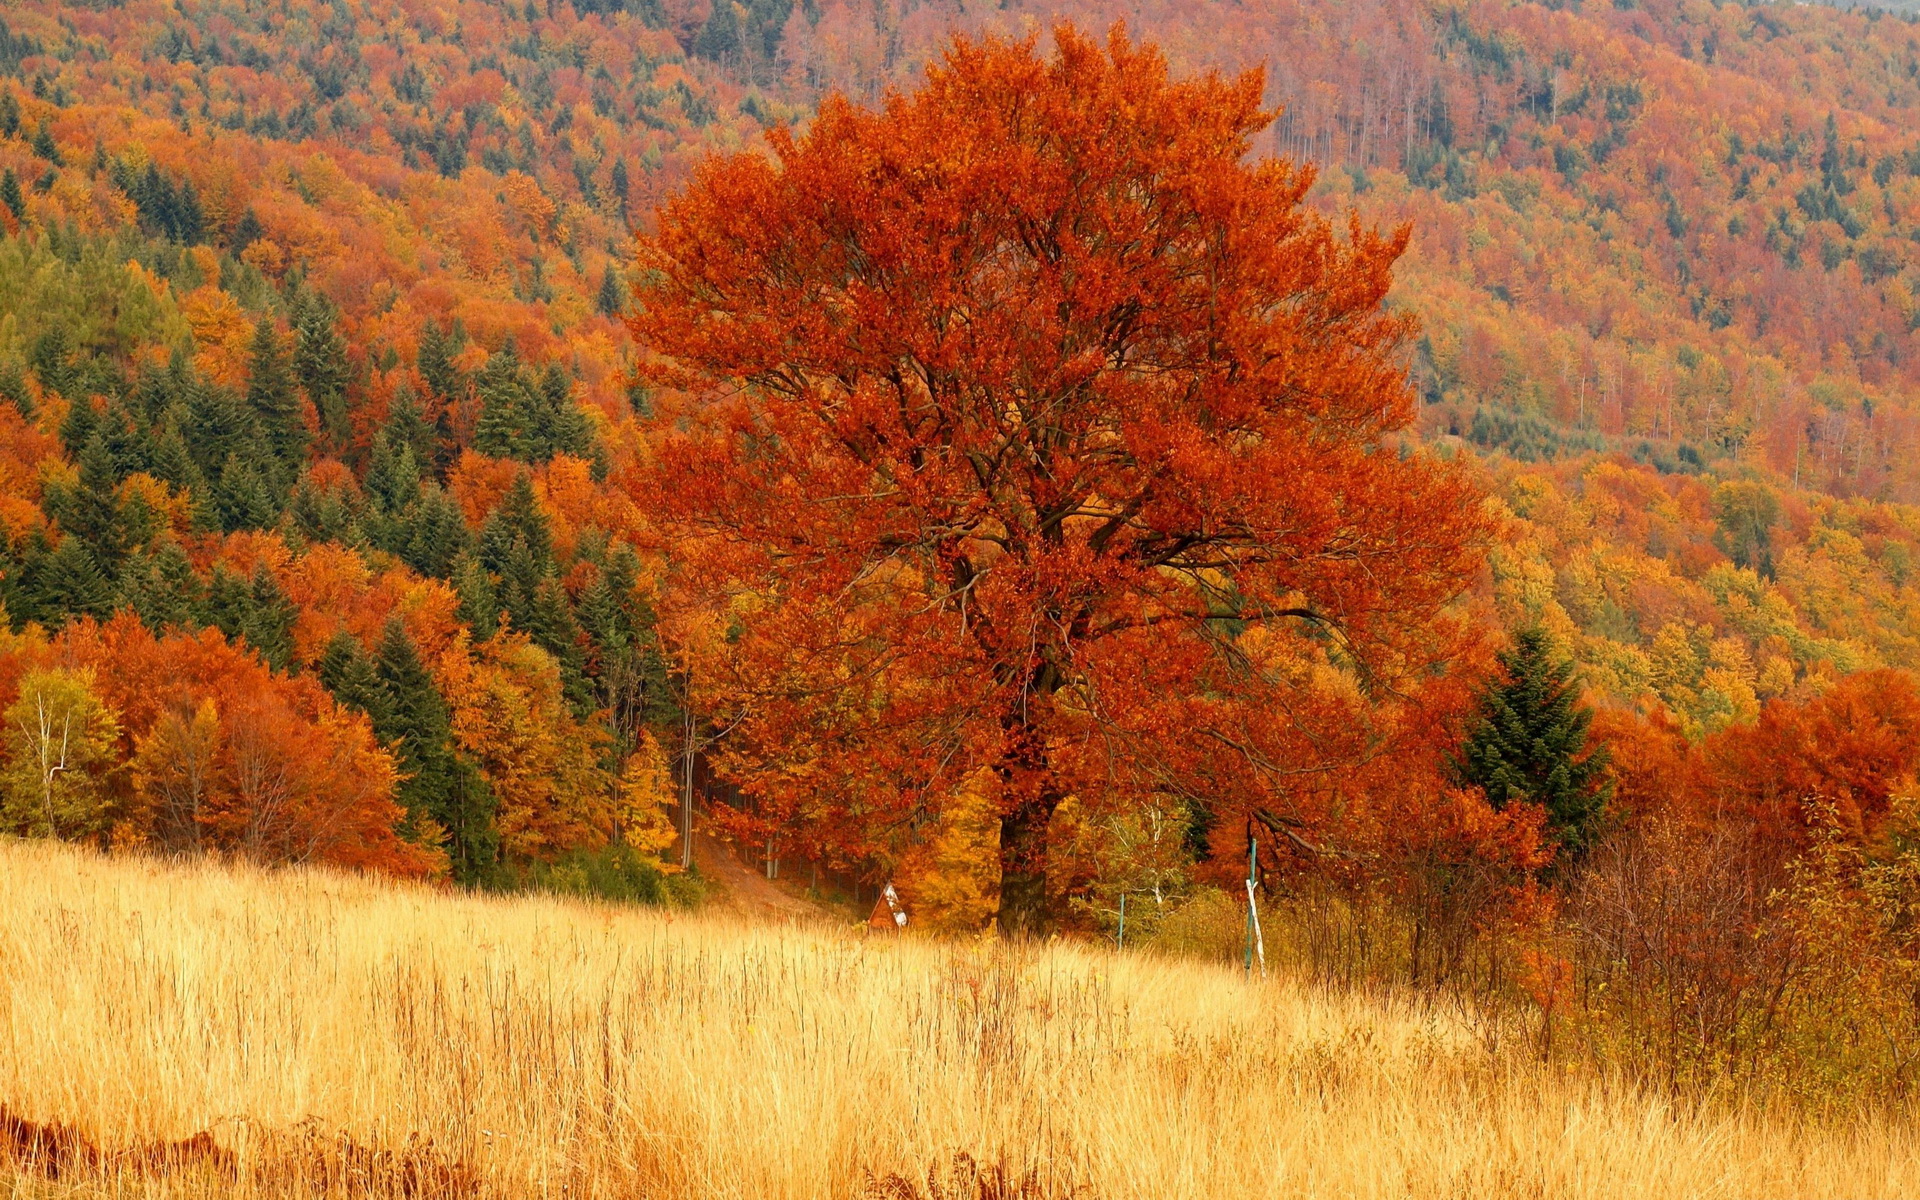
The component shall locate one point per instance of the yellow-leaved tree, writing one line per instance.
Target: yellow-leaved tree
(62, 744)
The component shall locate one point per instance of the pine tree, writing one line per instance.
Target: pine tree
(509, 409)
(347, 672)
(1530, 743)
(13, 390)
(563, 426)
(218, 426)
(254, 611)
(68, 582)
(90, 509)
(440, 786)
(276, 408)
(44, 145)
(719, 38)
(241, 498)
(435, 362)
(408, 426)
(11, 196)
(479, 606)
(9, 115)
(162, 590)
(620, 184)
(612, 300)
(436, 534)
(320, 364)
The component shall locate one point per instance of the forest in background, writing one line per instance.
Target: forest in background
(322, 459)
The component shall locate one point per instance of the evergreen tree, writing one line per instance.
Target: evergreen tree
(9, 115)
(44, 146)
(509, 409)
(159, 585)
(1530, 743)
(241, 498)
(68, 582)
(218, 427)
(320, 364)
(612, 300)
(51, 358)
(515, 543)
(13, 390)
(563, 426)
(324, 516)
(620, 184)
(276, 408)
(479, 606)
(435, 362)
(254, 611)
(436, 534)
(90, 509)
(719, 39)
(440, 787)
(408, 426)
(11, 196)
(392, 481)
(347, 672)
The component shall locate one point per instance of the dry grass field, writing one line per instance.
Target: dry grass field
(333, 1035)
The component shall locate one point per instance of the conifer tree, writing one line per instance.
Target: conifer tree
(719, 38)
(435, 534)
(347, 672)
(13, 390)
(320, 364)
(217, 426)
(408, 426)
(90, 510)
(67, 582)
(276, 409)
(254, 611)
(241, 497)
(563, 426)
(1530, 743)
(11, 196)
(479, 606)
(612, 300)
(436, 365)
(440, 785)
(160, 586)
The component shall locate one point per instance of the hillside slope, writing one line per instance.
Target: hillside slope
(321, 1025)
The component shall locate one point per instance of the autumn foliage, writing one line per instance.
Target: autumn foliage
(1010, 399)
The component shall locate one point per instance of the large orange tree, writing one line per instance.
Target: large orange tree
(1031, 436)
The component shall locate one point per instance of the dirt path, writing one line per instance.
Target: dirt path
(744, 887)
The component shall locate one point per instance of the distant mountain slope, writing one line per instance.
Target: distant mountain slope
(1680, 221)
(1676, 220)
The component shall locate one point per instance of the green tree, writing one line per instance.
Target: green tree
(255, 611)
(1529, 743)
(719, 38)
(612, 300)
(11, 196)
(441, 787)
(347, 672)
(320, 364)
(276, 408)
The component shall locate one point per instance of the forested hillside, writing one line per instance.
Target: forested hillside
(320, 428)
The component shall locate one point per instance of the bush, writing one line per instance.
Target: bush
(618, 873)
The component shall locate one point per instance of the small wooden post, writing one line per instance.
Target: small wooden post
(1253, 928)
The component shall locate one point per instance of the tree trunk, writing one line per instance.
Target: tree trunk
(1029, 794)
(1023, 867)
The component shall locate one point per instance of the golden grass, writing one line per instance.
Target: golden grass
(560, 1049)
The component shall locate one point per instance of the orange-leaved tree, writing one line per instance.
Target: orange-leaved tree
(1028, 425)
